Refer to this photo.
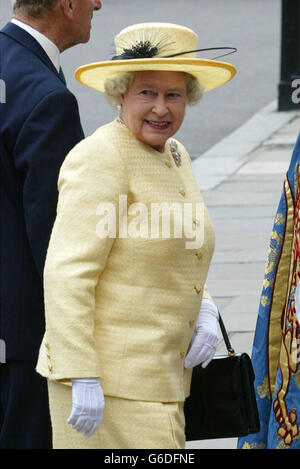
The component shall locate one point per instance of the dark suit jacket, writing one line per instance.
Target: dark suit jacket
(39, 125)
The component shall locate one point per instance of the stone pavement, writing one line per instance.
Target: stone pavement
(242, 196)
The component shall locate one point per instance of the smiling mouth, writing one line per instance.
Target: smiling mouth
(159, 125)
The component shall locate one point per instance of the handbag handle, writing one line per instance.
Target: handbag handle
(230, 350)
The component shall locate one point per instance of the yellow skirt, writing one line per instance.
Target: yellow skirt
(127, 424)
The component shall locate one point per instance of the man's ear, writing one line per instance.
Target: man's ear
(67, 7)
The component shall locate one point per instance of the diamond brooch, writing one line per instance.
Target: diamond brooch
(175, 153)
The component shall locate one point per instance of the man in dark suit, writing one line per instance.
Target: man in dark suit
(39, 125)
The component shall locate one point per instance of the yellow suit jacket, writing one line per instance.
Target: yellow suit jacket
(123, 307)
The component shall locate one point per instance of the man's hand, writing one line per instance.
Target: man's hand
(87, 405)
(205, 338)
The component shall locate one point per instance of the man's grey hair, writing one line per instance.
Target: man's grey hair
(36, 8)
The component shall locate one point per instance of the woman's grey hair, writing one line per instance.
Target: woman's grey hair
(120, 84)
(35, 8)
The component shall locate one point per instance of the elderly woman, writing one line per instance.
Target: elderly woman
(127, 311)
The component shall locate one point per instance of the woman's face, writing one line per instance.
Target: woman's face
(153, 107)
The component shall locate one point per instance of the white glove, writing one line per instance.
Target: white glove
(205, 338)
(87, 405)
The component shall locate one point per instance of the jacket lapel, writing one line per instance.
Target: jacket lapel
(26, 40)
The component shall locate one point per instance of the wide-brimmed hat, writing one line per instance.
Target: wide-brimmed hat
(156, 46)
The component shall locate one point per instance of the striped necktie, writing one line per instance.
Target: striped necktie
(62, 76)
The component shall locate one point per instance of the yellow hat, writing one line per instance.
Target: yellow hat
(156, 46)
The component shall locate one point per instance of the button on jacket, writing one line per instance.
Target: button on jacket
(123, 307)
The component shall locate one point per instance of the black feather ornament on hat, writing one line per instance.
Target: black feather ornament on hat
(146, 50)
(141, 50)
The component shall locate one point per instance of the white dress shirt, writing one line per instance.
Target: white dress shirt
(49, 47)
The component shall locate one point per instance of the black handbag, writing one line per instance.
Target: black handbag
(222, 402)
